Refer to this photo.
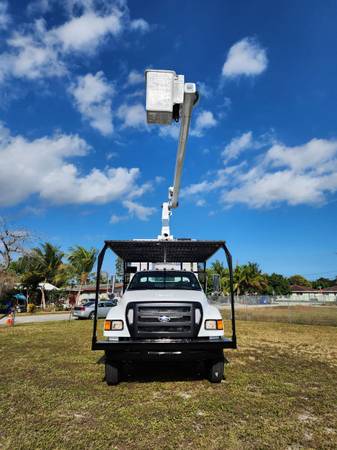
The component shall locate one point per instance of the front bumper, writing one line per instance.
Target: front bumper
(161, 349)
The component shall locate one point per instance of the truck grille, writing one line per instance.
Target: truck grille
(164, 320)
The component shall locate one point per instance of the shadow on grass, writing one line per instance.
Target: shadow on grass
(161, 371)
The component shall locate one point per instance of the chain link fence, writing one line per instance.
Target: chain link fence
(266, 308)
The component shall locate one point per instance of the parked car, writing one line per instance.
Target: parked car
(21, 308)
(87, 311)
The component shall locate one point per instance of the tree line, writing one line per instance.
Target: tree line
(249, 279)
(47, 263)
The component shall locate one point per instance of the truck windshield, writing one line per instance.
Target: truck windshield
(164, 280)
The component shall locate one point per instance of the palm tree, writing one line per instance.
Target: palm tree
(82, 262)
(41, 264)
(46, 263)
(248, 278)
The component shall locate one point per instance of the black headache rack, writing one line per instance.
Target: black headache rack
(158, 251)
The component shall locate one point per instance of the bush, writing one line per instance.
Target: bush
(31, 308)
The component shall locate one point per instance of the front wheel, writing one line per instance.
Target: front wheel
(111, 374)
(91, 315)
(216, 372)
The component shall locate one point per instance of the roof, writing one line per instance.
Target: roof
(298, 288)
(177, 250)
(92, 287)
(332, 289)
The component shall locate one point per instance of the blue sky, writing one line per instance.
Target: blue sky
(79, 164)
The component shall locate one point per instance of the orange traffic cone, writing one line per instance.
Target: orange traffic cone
(10, 320)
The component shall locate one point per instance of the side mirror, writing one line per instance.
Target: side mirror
(216, 283)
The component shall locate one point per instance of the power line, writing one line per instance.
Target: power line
(319, 273)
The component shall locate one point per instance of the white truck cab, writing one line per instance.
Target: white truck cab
(164, 314)
(163, 304)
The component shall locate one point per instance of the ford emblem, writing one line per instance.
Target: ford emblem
(164, 319)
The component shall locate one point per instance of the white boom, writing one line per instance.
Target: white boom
(163, 90)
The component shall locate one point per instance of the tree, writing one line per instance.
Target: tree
(41, 265)
(8, 280)
(82, 261)
(277, 285)
(322, 283)
(248, 279)
(12, 242)
(47, 262)
(299, 280)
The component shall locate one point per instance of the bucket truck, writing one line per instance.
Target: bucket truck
(164, 314)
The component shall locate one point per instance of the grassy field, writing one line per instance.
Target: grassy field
(280, 392)
(300, 314)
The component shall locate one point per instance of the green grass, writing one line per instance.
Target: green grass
(305, 315)
(280, 392)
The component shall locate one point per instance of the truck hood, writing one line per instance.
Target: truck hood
(164, 295)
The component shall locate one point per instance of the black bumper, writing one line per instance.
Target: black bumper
(177, 349)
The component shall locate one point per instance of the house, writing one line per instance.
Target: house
(88, 291)
(310, 295)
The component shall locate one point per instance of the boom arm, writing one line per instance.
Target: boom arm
(190, 99)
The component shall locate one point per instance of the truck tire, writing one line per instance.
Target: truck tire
(111, 374)
(216, 371)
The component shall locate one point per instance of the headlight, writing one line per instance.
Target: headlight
(113, 325)
(214, 324)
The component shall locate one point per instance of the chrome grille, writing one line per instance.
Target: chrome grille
(164, 320)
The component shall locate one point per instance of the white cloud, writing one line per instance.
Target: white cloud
(92, 94)
(111, 155)
(137, 93)
(116, 219)
(219, 179)
(201, 202)
(158, 179)
(135, 77)
(310, 155)
(42, 168)
(4, 16)
(205, 120)
(37, 51)
(237, 146)
(32, 55)
(140, 25)
(139, 191)
(246, 57)
(276, 187)
(204, 90)
(197, 188)
(132, 116)
(86, 32)
(140, 211)
(304, 174)
(246, 141)
(171, 130)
